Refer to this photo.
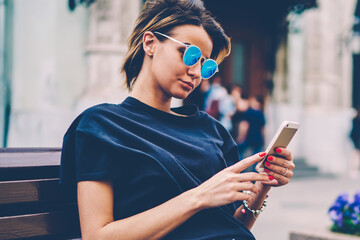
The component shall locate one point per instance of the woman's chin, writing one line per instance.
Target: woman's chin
(181, 95)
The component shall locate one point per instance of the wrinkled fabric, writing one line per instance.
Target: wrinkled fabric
(152, 156)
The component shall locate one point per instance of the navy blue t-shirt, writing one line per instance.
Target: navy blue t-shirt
(152, 156)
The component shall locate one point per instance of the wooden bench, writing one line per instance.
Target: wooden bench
(32, 204)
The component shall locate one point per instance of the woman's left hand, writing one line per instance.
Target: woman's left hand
(279, 166)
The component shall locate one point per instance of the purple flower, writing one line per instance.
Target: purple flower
(357, 197)
(346, 215)
(355, 206)
(336, 217)
(336, 210)
(340, 202)
(354, 218)
(343, 199)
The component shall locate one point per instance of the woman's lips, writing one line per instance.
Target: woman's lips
(190, 84)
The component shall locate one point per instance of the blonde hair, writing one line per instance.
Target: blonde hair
(163, 16)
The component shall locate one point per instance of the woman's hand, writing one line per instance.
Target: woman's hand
(226, 186)
(279, 167)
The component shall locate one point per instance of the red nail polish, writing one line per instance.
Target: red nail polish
(243, 211)
(267, 164)
(271, 177)
(278, 150)
(262, 154)
(270, 158)
(267, 170)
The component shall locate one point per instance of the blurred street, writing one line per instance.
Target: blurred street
(301, 205)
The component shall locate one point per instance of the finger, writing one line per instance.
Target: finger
(247, 162)
(240, 196)
(282, 170)
(272, 168)
(280, 162)
(273, 182)
(282, 180)
(248, 186)
(285, 153)
(252, 177)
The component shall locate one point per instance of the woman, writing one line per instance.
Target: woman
(146, 171)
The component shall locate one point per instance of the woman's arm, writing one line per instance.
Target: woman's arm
(95, 201)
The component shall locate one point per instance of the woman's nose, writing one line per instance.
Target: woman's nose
(195, 70)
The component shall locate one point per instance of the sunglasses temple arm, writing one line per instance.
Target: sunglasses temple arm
(170, 38)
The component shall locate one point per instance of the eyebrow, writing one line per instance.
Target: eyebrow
(185, 44)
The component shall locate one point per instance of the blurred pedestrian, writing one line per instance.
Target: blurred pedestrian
(254, 123)
(144, 170)
(218, 102)
(256, 118)
(239, 122)
(355, 137)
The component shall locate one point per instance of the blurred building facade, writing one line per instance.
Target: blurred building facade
(56, 63)
(313, 84)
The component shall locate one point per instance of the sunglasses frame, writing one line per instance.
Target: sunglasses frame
(187, 47)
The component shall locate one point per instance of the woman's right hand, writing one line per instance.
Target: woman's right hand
(227, 185)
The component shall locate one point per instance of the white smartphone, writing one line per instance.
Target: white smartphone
(282, 138)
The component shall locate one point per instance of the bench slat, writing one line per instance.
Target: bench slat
(43, 224)
(44, 190)
(28, 173)
(29, 158)
(32, 203)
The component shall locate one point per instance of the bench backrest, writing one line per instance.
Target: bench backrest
(32, 204)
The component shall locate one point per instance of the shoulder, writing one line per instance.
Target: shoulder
(99, 113)
(96, 117)
(212, 124)
(206, 118)
(101, 109)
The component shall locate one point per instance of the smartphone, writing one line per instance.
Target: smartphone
(282, 138)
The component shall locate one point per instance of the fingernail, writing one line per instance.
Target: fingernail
(267, 170)
(278, 150)
(270, 158)
(271, 177)
(267, 164)
(243, 211)
(262, 154)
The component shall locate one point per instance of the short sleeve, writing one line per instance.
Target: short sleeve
(89, 152)
(95, 158)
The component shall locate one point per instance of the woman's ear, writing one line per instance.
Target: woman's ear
(149, 43)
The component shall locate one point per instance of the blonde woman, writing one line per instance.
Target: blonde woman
(146, 171)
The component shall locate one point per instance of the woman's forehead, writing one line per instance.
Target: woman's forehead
(194, 35)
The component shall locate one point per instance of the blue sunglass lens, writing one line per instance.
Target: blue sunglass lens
(192, 55)
(208, 69)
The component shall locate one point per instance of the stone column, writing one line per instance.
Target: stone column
(110, 24)
(316, 89)
(327, 78)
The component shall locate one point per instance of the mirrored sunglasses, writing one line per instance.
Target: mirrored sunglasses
(192, 55)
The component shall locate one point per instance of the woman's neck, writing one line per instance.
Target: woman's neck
(145, 91)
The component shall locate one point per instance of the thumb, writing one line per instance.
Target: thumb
(247, 162)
